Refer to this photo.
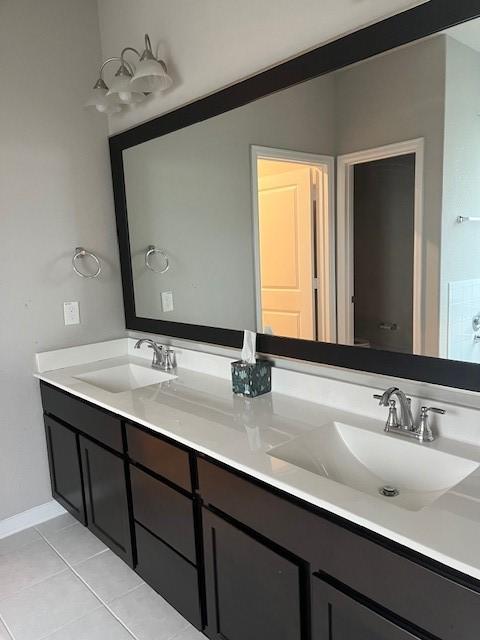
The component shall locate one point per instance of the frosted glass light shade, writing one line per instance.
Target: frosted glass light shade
(99, 100)
(151, 76)
(122, 92)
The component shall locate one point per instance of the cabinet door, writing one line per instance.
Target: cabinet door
(336, 616)
(65, 468)
(106, 498)
(253, 591)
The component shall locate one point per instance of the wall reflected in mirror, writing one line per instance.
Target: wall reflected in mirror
(327, 211)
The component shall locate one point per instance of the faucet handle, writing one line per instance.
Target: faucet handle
(425, 410)
(158, 355)
(379, 397)
(169, 359)
(424, 431)
(392, 420)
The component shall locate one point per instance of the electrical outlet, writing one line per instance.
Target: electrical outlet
(71, 313)
(167, 301)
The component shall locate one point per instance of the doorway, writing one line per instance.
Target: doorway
(294, 244)
(379, 247)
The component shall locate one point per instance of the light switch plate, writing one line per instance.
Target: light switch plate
(71, 313)
(167, 301)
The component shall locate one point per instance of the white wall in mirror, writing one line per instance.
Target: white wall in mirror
(460, 269)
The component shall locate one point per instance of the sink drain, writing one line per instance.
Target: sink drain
(388, 492)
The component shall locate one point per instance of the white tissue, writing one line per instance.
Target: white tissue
(249, 347)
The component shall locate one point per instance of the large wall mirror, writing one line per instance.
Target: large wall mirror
(343, 210)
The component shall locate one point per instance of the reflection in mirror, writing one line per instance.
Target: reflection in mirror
(327, 211)
(294, 215)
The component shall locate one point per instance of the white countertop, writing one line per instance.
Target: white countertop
(200, 411)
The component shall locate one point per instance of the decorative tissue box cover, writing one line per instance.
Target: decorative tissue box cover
(251, 379)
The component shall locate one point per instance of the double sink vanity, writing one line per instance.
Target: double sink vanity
(330, 205)
(264, 518)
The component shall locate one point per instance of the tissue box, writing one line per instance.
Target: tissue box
(251, 380)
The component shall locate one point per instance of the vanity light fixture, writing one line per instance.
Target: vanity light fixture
(121, 90)
(131, 84)
(151, 73)
(99, 100)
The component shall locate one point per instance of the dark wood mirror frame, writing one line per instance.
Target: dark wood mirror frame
(419, 22)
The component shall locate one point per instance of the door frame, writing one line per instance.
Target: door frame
(326, 314)
(345, 256)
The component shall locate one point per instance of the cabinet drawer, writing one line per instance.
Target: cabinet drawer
(410, 589)
(339, 617)
(270, 515)
(89, 419)
(164, 511)
(170, 575)
(154, 453)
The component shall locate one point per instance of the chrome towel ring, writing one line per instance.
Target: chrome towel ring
(151, 250)
(80, 252)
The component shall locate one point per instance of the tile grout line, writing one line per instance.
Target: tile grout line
(104, 604)
(22, 546)
(35, 582)
(71, 568)
(2, 619)
(44, 579)
(68, 526)
(67, 567)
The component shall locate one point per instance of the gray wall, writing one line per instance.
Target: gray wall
(460, 242)
(190, 193)
(55, 194)
(397, 97)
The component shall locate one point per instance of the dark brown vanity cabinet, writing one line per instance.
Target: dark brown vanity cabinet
(133, 490)
(253, 590)
(106, 498)
(382, 594)
(88, 477)
(237, 558)
(337, 616)
(166, 527)
(65, 468)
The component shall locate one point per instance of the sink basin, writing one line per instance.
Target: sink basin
(125, 377)
(369, 461)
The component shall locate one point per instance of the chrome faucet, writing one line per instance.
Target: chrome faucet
(406, 418)
(405, 425)
(163, 357)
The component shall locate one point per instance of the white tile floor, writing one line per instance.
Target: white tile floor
(59, 582)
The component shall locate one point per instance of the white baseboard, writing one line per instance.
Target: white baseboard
(30, 518)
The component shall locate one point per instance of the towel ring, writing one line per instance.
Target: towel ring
(151, 250)
(80, 252)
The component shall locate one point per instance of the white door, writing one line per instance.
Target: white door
(285, 208)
